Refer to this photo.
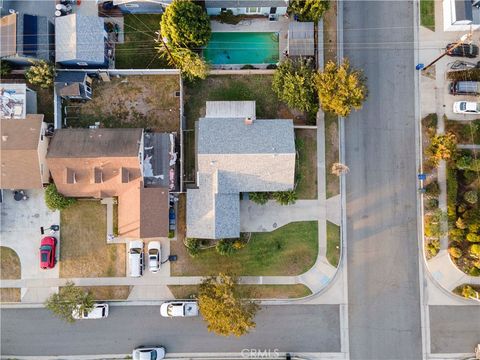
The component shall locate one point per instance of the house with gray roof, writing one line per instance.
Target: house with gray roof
(236, 153)
(80, 41)
(271, 8)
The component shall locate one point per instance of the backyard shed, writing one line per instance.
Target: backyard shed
(301, 39)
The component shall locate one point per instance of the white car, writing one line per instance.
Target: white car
(179, 309)
(99, 311)
(466, 107)
(148, 353)
(154, 256)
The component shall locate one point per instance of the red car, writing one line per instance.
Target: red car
(47, 252)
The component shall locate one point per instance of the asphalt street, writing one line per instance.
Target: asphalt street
(286, 328)
(383, 279)
(454, 329)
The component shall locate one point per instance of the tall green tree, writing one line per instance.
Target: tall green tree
(293, 83)
(190, 63)
(70, 298)
(185, 24)
(340, 88)
(225, 312)
(308, 10)
(41, 73)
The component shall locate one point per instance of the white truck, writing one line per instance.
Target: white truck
(179, 309)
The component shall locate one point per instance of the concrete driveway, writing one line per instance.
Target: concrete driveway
(20, 230)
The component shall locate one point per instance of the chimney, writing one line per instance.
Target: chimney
(248, 121)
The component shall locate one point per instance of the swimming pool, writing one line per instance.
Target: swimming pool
(242, 48)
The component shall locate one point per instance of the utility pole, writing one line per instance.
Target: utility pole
(160, 39)
(461, 41)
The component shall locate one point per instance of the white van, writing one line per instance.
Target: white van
(136, 258)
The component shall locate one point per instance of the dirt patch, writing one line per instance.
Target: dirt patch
(10, 295)
(330, 33)
(306, 171)
(109, 292)
(331, 154)
(132, 101)
(9, 264)
(83, 250)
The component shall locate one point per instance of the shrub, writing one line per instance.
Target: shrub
(469, 292)
(193, 246)
(308, 10)
(248, 67)
(475, 251)
(471, 197)
(464, 162)
(227, 17)
(474, 238)
(340, 88)
(432, 190)
(225, 247)
(260, 198)
(452, 187)
(474, 227)
(473, 271)
(461, 75)
(55, 200)
(185, 24)
(442, 147)
(293, 83)
(433, 247)
(272, 66)
(456, 234)
(455, 252)
(430, 121)
(171, 234)
(5, 69)
(41, 73)
(238, 244)
(460, 223)
(431, 204)
(285, 197)
(470, 176)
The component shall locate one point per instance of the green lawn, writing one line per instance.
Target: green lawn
(138, 51)
(467, 132)
(427, 14)
(225, 88)
(249, 291)
(289, 250)
(332, 182)
(306, 169)
(333, 243)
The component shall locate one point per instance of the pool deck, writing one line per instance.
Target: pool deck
(258, 25)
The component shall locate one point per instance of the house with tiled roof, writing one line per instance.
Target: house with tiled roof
(23, 149)
(236, 153)
(105, 163)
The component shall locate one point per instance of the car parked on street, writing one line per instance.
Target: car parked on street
(154, 256)
(466, 107)
(99, 311)
(463, 50)
(156, 352)
(179, 309)
(48, 247)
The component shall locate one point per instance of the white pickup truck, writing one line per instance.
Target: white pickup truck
(179, 309)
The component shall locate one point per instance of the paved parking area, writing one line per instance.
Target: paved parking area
(20, 230)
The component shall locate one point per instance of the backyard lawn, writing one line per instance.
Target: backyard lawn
(249, 291)
(131, 101)
(332, 182)
(139, 50)
(231, 87)
(306, 171)
(9, 270)
(333, 243)
(427, 14)
(83, 246)
(289, 250)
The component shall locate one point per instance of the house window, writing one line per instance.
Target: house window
(82, 63)
(253, 10)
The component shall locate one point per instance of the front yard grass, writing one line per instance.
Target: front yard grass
(289, 250)
(249, 291)
(132, 101)
(9, 264)
(83, 246)
(467, 132)
(139, 49)
(306, 171)
(10, 295)
(230, 88)
(427, 14)
(333, 243)
(332, 182)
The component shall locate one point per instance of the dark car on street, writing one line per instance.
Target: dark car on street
(48, 247)
(464, 50)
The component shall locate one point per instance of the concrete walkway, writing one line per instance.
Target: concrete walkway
(469, 146)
